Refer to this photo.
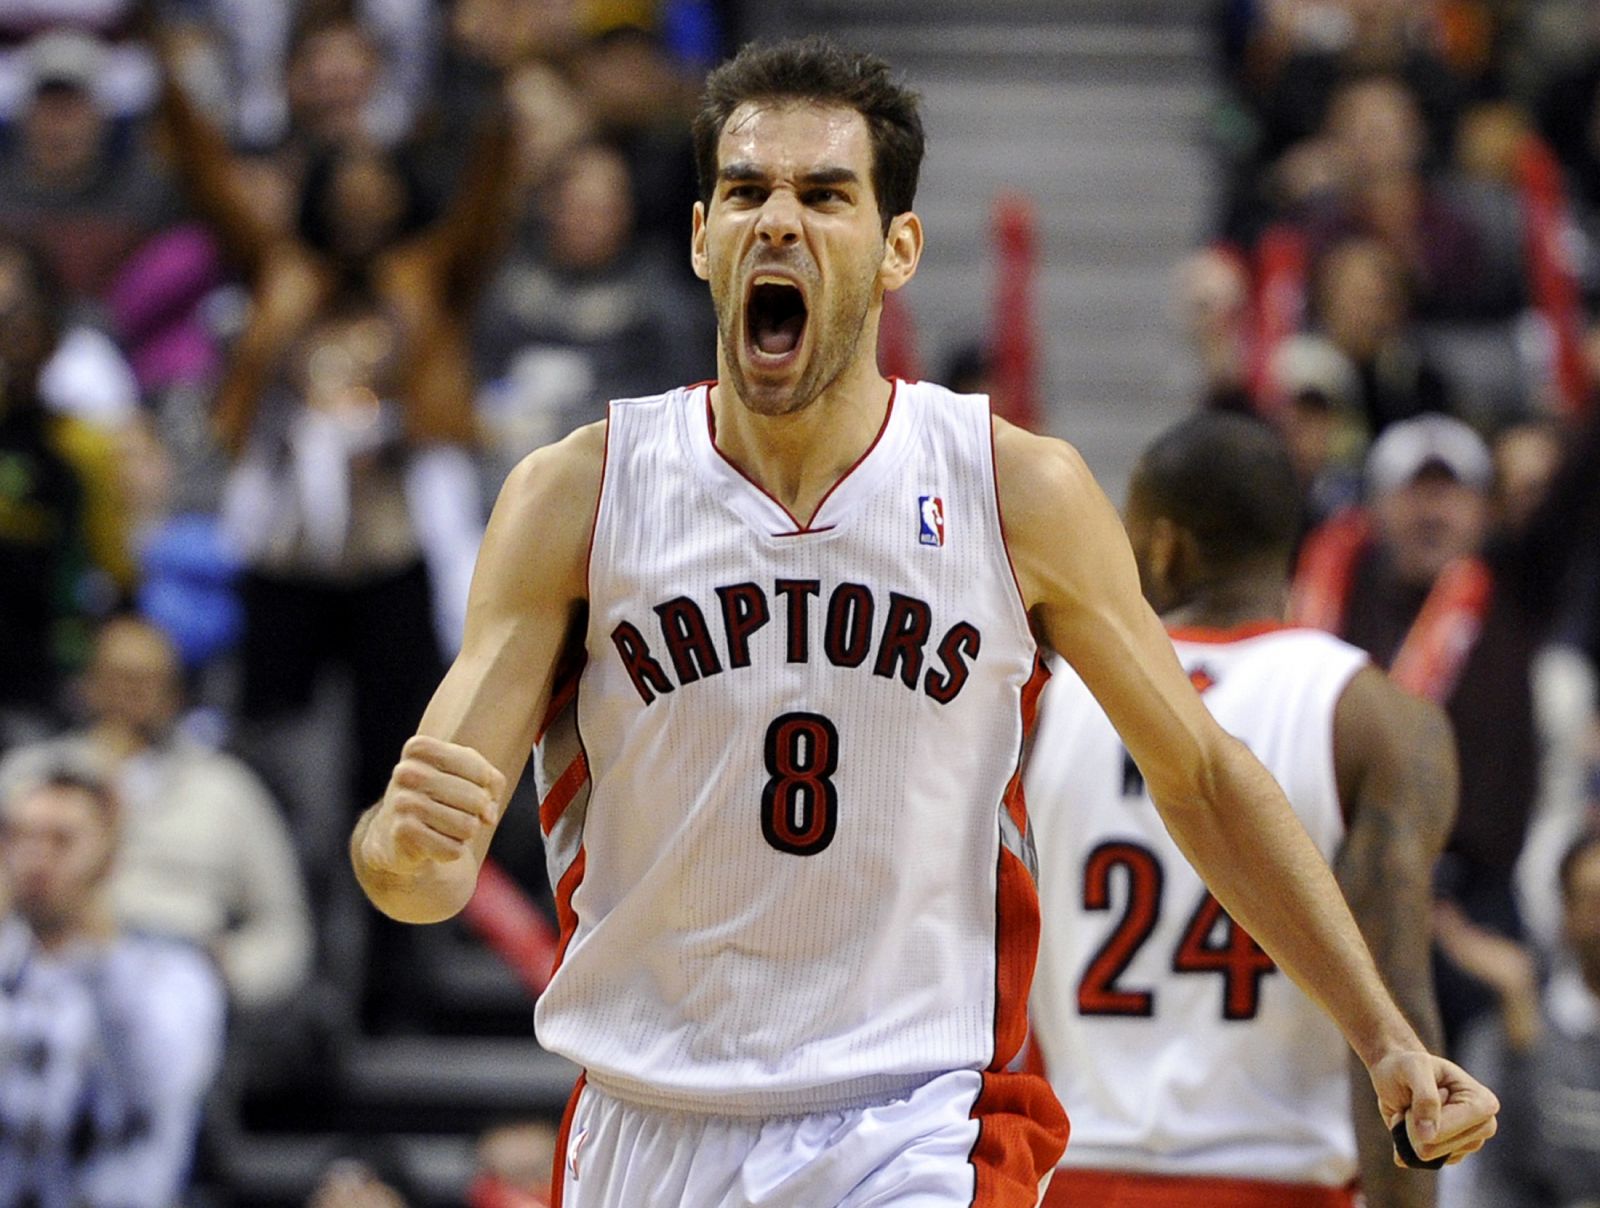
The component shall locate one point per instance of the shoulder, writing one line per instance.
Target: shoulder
(1380, 731)
(1049, 501)
(544, 516)
(1033, 469)
(559, 477)
(1374, 713)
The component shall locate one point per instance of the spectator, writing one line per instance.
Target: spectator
(1288, 61)
(642, 102)
(42, 532)
(361, 1182)
(516, 1165)
(1363, 305)
(584, 311)
(204, 854)
(1419, 584)
(348, 409)
(329, 71)
(88, 198)
(1543, 1053)
(118, 1035)
(1373, 184)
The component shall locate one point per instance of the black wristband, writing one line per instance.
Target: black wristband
(1408, 1154)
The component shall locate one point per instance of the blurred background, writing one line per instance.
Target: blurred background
(287, 287)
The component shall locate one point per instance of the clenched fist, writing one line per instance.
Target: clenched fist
(443, 802)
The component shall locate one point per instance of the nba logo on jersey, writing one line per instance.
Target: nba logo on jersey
(931, 510)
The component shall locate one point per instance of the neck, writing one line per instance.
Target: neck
(797, 458)
(1230, 603)
(119, 742)
(92, 924)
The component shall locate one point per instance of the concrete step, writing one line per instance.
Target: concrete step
(444, 1073)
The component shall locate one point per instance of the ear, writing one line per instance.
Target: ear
(902, 250)
(1164, 554)
(698, 258)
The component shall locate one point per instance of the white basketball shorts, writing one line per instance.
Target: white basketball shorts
(961, 1140)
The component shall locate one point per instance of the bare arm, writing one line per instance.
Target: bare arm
(1081, 589)
(418, 851)
(1396, 764)
(205, 165)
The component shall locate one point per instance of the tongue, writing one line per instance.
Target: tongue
(775, 339)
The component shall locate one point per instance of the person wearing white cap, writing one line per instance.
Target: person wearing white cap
(64, 182)
(1455, 614)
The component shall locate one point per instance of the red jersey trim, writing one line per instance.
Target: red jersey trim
(1000, 514)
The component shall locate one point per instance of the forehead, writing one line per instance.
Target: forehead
(51, 807)
(786, 137)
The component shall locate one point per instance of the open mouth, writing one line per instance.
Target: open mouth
(775, 316)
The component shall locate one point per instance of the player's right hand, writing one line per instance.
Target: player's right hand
(1448, 1113)
(441, 800)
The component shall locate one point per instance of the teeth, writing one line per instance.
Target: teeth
(767, 279)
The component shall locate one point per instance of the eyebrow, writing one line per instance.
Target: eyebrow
(746, 170)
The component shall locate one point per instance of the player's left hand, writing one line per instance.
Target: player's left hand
(1448, 1112)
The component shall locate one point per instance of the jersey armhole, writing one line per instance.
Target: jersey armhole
(599, 506)
(1000, 520)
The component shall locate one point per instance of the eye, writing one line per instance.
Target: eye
(745, 193)
(823, 197)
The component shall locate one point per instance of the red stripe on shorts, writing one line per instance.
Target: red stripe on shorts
(558, 1178)
(1118, 1189)
(1022, 1132)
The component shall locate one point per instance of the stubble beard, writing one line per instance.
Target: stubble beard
(834, 337)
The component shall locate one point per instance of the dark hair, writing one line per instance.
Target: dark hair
(816, 71)
(71, 776)
(1580, 847)
(1228, 482)
(319, 17)
(313, 222)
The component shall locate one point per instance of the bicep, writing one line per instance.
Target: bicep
(524, 607)
(1396, 763)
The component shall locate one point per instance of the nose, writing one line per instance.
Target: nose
(779, 224)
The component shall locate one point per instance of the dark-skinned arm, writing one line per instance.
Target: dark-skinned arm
(1395, 759)
(459, 247)
(203, 161)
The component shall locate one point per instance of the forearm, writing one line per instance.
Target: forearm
(1286, 897)
(431, 894)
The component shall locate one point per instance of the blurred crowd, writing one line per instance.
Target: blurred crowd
(1403, 277)
(286, 287)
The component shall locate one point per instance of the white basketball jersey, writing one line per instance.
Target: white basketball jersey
(1174, 1043)
(776, 831)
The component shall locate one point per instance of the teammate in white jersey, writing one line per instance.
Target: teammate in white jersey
(1194, 1072)
(786, 828)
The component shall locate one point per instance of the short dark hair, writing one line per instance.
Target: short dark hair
(1226, 480)
(70, 776)
(817, 71)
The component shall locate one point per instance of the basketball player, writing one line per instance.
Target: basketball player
(786, 829)
(1195, 1074)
